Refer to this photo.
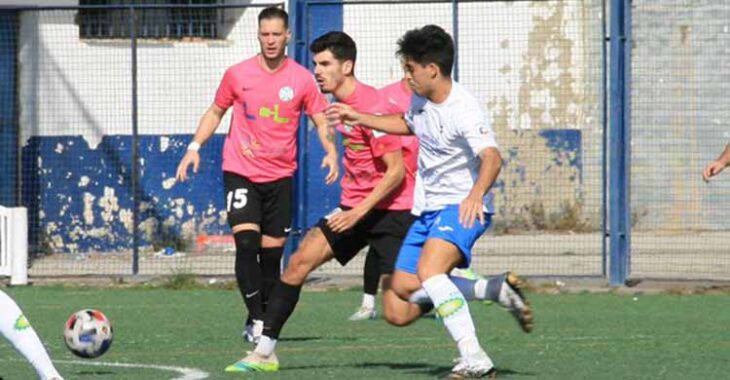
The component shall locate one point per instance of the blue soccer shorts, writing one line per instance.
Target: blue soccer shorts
(442, 224)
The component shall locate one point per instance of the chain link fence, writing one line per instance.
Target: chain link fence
(88, 89)
(99, 87)
(680, 86)
(537, 67)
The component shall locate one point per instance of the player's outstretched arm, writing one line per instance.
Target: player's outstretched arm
(471, 207)
(206, 127)
(327, 137)
(715, 167)
(393, 124)
(392, 178)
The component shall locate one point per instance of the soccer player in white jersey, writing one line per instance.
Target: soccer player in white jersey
(18, 331)
(715, 167)
(458, 163)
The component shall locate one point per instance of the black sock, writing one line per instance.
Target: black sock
(425, 307)
(270, 263)
(371, 273)
(248, 273)
(284, 298)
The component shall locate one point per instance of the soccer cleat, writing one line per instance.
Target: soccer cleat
(363, 313)
(252, 332)
(467, 273)
(476, 366)
(254, 362)
(512, 299)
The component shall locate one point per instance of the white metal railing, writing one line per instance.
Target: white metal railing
(14, 244)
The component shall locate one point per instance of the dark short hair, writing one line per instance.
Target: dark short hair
(429, 44)
(341, 45)
(274, 12)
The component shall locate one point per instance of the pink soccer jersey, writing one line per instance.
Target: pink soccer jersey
(398, 98)
(398, 95)
(363, 148)
(261, 143)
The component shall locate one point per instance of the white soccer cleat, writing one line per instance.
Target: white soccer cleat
(363, 313)
(477, 365)
(252, 332)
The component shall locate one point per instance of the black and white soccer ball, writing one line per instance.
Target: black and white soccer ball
(88, 333)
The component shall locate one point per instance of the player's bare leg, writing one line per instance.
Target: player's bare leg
(397, 289)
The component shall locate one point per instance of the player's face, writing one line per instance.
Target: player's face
(329, 72)
(419, 77)
(273, 37)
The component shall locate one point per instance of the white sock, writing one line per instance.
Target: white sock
(470, 347)
(368, 301)
(16, 329)
(454, 311)
(266, 346)
(471, 289)
(420, 297)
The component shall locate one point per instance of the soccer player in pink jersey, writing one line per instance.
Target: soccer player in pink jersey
(377, 195)
(267, 93)
(398, 96)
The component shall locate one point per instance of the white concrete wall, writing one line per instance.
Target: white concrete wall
(71, 86)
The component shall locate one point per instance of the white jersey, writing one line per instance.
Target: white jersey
(451, 137)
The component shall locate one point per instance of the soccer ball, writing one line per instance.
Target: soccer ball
(88, 333)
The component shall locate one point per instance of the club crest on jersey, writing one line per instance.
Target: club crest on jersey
(286, 93)
(483, 129)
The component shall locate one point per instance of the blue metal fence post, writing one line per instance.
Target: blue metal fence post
(455, 26)
(297, 51)
(620, 142)
(135, 142)
(9, 128)
(307, 19)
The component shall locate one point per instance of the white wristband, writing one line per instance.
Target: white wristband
(194, 146)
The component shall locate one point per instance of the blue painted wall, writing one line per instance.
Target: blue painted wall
(60, 171)
(55, 182)
(566, 146)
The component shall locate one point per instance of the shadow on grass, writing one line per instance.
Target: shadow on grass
(95, 373)
(431, 370)
(318, 338)
(300, 339)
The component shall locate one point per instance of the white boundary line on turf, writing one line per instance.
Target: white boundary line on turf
(187, 373)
